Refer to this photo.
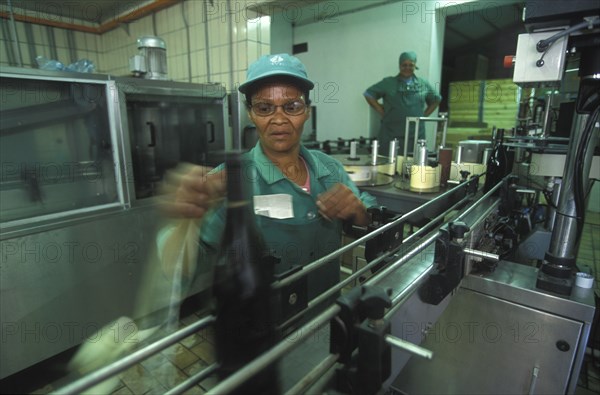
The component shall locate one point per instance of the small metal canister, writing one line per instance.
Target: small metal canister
(393, 151)
(353, 147)
(374, 152)
(421, 159)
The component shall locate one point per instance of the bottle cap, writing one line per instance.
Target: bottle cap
(584, 280)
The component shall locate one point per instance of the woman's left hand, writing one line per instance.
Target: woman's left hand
(340, 203)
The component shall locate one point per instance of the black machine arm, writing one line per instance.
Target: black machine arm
(358, 335)
(449, 261)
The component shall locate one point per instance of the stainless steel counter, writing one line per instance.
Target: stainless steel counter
(502, 335)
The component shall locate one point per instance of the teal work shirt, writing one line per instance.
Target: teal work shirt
(306, 236)
(401, 99)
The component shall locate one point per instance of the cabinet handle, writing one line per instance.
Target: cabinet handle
(152, 134)
(211, 128)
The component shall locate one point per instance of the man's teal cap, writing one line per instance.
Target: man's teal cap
(276, 65)
(410, 55)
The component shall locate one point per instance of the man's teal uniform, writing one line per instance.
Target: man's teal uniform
(401, 98)
(299, 240)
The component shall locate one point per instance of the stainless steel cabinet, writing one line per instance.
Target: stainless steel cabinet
(81, 157)
(169, 123)
(501, 335)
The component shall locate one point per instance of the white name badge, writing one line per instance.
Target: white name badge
(274, 206)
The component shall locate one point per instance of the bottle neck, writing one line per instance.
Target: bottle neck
(233, 204)
(237, 189)
(235, 186)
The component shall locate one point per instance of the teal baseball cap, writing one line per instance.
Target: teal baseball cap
(281, 64)
(409, 55)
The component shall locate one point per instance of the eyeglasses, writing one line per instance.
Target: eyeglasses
(290, 108)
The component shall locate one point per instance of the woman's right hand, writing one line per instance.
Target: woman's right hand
(191, 191)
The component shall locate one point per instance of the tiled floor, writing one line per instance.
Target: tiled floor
(154, 375)
(588, 258)
(171, 367)
(174, 365)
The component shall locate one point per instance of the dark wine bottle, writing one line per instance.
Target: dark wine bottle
(244, 328)
(496, 164)
(500, 162)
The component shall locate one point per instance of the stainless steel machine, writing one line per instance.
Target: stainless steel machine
(81, 156)
(460, 305)
(446, 300)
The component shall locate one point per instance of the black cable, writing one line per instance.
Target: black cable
(578, 176)
(543, 45)
(592, 181)
(568, 216)
(540, 61)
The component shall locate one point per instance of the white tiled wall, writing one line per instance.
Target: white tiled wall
(40, 43)
(86, 45)
(236, 37)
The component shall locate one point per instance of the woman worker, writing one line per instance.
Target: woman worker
(312, 192)
(404, 95)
